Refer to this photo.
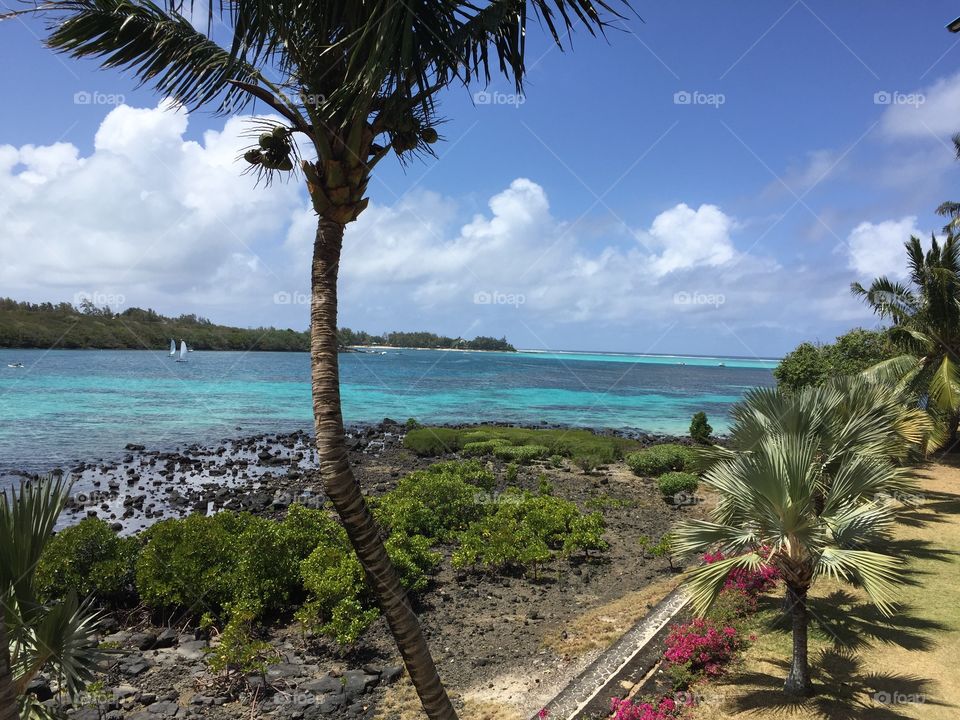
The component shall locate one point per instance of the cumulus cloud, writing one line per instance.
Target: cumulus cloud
(148, 215)
(876, 249)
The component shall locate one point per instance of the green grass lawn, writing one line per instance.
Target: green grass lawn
(866, 666)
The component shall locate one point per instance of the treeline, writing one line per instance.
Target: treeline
(812, 364)
(62, 325)
(423, 340)
(86, 326)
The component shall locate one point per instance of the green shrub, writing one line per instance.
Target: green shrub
(438, 501)
(673, 483)
(586, 534)
(90, 559)
(656, 460)
(433, 441)
(238, 650)
(526, 530)
(700, 429)
(564, 443)
(483, 447)
(520, 453)
(412, 424)
(188, 561)
(340, 603)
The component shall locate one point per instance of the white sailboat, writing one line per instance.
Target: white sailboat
(182, 357)
(173, 347)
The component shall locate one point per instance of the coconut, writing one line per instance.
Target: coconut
(254, 157)
(429, 135)
(266, 141)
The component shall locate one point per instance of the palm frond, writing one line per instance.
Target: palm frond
(158, 45)
(879, 574)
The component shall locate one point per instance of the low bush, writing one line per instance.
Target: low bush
(605, 449)
(527, 530)
(664, 709)
(433, 441)
(340, 603)
(436, 502)
(483, 447)
(700, 649)
(520, 453)
(91, 559)
(674, 483)
(656, 460)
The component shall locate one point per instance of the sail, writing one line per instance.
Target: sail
(173, 346)
(183, 349)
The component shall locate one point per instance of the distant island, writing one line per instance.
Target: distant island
(63, 325)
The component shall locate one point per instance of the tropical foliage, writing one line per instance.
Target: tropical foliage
(812, 364)
(349, 81)
(38, 635)
(805, 489)
(925, 313)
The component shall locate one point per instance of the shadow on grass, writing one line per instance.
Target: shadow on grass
(841, 691)
(851, 624)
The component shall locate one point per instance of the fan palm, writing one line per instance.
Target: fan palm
(351, 81)
(36, 636)
(926, 327)
(775, 509)
(846, 416)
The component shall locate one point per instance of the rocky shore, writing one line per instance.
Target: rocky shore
(503, 636)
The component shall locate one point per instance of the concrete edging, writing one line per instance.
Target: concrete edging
(592, 689)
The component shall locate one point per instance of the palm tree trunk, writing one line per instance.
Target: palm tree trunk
(344, 490)
(8, 700)
(798, 679)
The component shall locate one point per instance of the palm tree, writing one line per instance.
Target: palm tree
(36, 636)
(775, 509)
(952, 209)
(926, 327)
(351, 81)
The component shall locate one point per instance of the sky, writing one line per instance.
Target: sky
(708, 179)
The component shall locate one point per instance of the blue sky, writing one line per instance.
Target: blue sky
(601, 212)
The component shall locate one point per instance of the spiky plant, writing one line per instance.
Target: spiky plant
(925, 314)
(776, 509)
(352, 81)
(37, 636)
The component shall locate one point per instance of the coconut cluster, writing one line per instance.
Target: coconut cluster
(275, 150)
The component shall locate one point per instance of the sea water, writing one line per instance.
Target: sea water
(69, 405)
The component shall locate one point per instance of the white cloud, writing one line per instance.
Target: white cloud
(148, 214)
(930, 112)
(691, 238)
(875, 249)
